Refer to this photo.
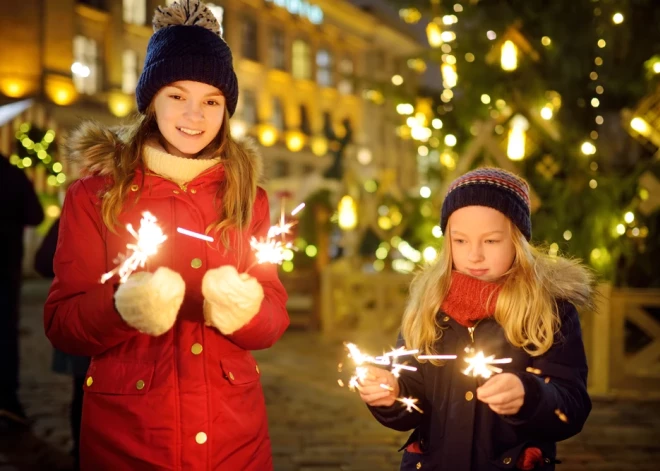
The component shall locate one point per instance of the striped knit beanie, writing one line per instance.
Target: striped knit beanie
(494, 188)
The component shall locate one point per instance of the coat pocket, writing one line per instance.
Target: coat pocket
(240, 368)
(539, 460)
(119, 377)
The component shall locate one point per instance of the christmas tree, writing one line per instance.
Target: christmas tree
(547, 89)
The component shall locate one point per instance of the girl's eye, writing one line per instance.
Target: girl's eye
(176, 97)
(459, 241)
(492, 241)
(212, 102)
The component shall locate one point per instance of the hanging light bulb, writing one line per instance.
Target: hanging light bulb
(517, 136)
(449, 76)
(434, 34)
(509, 57)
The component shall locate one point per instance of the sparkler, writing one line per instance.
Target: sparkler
(196, 235)
(410, 402)
(270, 250)
(387, 359)
(481, 365)
(149, 237)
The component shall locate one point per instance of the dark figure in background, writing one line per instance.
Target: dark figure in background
(19, 207)
(64, 363)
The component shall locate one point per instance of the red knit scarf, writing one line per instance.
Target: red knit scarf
(467, 299)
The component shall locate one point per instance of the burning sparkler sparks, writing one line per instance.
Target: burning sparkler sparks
(270, 250)
(481, 365)
(149, 237)
(410, 402)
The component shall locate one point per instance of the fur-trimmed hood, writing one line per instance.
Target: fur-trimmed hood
(94, 148)
(567, 279)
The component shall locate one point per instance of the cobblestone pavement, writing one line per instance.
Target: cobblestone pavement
(315, 424)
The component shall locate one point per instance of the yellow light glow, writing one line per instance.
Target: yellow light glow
(425, 192)
(53, 211)
(60, 90)
(620, 229)
(617, 18)
(656, 67)
(13, 88)
(311, 251)
(295, 140)
(57, 167)
(450, 140)
(447, 160)
(509, 56)
(120, 104)
(546, 113)
(434, 34)
(588, 148)
(485, 99)
(546, 41)
(436, 123)
(267, 134)
(602, 43)
(397, 80)
(568, 235)
(449, 76)
(319, 145)
(430, 254)
(517, 138)
(629, 217)
(347, 213)
(639, 125)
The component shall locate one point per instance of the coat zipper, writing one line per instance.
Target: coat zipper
(471, 330)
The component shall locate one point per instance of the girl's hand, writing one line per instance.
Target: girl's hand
(504, 393)
(371, 391)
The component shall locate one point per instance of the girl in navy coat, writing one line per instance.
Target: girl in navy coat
(489, 291)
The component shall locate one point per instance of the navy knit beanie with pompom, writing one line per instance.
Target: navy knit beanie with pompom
(186, 45)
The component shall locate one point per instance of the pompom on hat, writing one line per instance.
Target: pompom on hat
(494, 188)
(186, 45)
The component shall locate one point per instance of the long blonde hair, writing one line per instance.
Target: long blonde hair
(238, 189)
(526, 306)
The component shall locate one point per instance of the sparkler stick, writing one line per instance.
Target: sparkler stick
(410, 402)
(148, 238)
(437, 357)
(196, 235)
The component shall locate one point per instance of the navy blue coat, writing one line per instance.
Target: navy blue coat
(457, 432)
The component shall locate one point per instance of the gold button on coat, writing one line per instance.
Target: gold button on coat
(140, 384)
(176, 192)
(196, 263)
(257, 368)
(446, 318)
(134, 188)
(506, 460)
(201, 438)
(196, 349)
(231, 376)
(469, 396)
(193, 191)
(89, 381)
(418, 465)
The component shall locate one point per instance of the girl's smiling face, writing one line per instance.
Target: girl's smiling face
(481, 242)
(189, 116)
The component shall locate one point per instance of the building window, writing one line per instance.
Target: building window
(301, 67)
(305, 126)
(249, 39)
(346, 69)
(277, 50)
(248, 109)
(135, 11)
(278, 115)
(324, 68)
(130, 71)
(85, 65)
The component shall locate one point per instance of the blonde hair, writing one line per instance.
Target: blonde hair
(526, 307)
(238, 189)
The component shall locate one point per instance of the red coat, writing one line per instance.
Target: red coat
(190, 399)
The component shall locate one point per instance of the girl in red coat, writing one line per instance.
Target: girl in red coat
(489, 291)
(172, 384)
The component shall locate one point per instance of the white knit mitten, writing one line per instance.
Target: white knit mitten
(231, 299)
(150, 302)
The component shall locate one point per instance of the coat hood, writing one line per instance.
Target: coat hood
(95, 149)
